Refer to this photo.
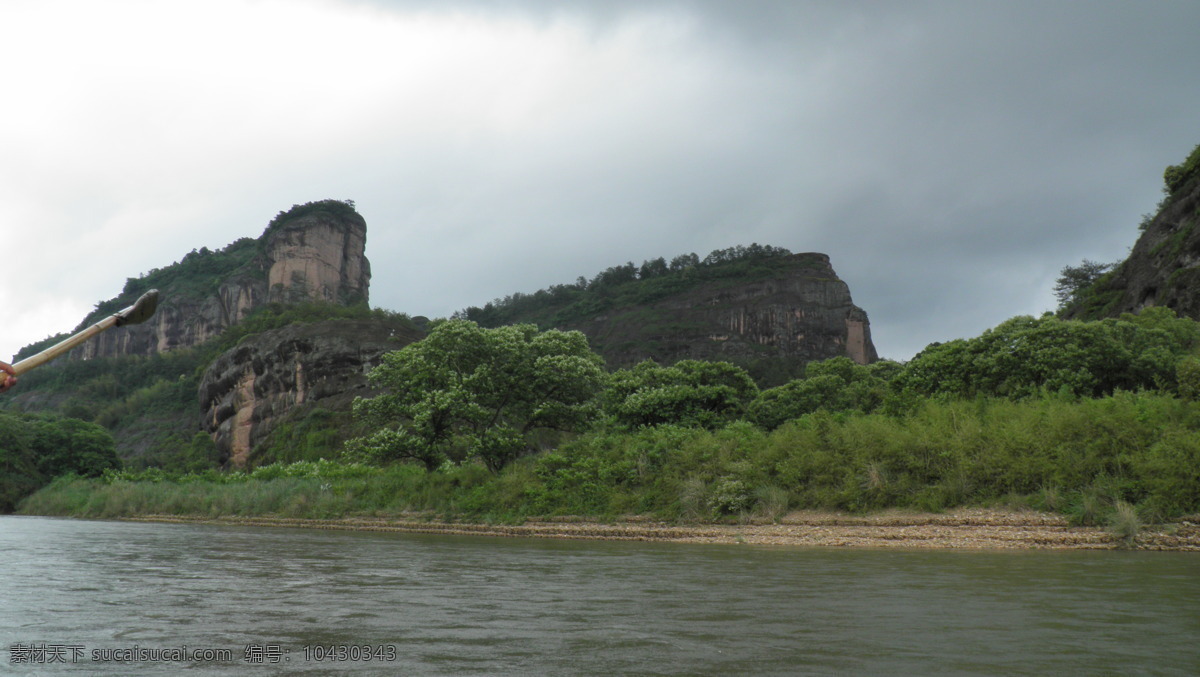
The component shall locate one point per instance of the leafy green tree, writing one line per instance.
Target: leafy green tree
(683, 261)
(653, 268)
(35, 449)
(1073, 280)
(469, 392)
(1176, 177)
(69, 445)
(776, 406)
(688, 393)
(836, 384)
(1187, 373)
(1024, 356)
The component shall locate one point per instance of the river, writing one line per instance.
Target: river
(97, 597)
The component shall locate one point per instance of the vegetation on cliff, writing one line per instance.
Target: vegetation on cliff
(760, 307)
(197, 275)
(1161, 267)
(628, 285)
(1177, 177)
(334, 208)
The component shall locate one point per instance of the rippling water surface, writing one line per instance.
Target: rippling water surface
(450, 605)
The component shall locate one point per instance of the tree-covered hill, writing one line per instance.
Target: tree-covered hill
(629, 285)
(760, 307)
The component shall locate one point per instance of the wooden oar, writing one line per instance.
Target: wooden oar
(139, 312)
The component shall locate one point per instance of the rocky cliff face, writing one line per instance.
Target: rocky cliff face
(1163, 268)
(316, 255)
(801, 313)
(249, 389)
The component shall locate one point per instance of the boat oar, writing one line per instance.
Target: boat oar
(139, 312)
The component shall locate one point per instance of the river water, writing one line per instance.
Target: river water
(94, 597)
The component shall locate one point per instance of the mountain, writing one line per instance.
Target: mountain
(1163, 268)
(295, 298)
(762, 308)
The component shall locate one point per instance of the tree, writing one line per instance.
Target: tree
(836, 384)
(1075, 279)
(35, 449)
(468, 392)
(69, 445)
(653, 268)
(689, 393)
(684, 261)
(1024, 356)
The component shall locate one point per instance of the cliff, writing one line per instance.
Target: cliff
(279, 374)
(1163, 268)
(769, 312)
(313, 252)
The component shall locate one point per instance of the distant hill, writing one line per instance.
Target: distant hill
(761, 307)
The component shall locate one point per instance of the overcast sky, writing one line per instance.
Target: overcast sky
(951, 157)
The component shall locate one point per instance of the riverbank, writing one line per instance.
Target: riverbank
(959, 529)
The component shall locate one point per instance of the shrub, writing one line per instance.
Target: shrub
(1125, 524)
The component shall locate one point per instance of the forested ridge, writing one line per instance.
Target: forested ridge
(627, 285)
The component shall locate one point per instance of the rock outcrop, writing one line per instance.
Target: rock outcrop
(271, 376)
(770, 314)
(314, 253)
(802, 313)
(318, 257)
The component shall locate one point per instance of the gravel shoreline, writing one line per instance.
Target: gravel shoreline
(960, 529)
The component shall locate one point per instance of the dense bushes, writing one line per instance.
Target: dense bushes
(465, 392)
(1081, 457)
(1175, 177)
(1024, 356)
(688, 393)
(1085, 418)
(627, 285)
(837, 384)
(34, 449)
(1138, 448)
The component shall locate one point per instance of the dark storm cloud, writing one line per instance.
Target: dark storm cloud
(951, 157)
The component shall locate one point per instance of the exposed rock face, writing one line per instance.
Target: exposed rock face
(1163, 269)
(803, 313)
(180, 321)
(249, 389)
(318, 256)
